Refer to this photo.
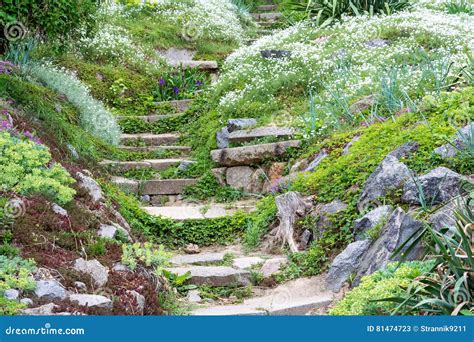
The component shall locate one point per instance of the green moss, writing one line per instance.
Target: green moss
(388, 282)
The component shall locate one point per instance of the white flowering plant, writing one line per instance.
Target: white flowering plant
(410, 53)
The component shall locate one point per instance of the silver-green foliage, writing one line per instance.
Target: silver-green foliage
(94, 117)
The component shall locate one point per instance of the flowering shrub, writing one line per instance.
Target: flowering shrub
(25, 167)
(94, 117)
(410, 52)
(110, 43)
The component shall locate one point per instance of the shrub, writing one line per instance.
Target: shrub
(94, 117)
(52, 19)
(24, 169)
(15, 273)
(362, 300)
(145, 254)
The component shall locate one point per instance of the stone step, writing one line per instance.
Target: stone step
(252, 154)
(202, 65)
(150, 139)
(265, 307)
(214, 275)
(150, 118)
(298, 297)
(192, 259)
(260, 132)
(157, 164)
(270, 16)
(181, 213)
(266, 8)
(179, 105)
(153, 187)
(181, 149)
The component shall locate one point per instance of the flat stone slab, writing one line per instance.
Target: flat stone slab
(91, 300)
(264, 8)
(181, 213)
(157, 164)
(202, 65)
(246, 262)
(295, 298)
(165, 186)
(177, 149)
(191, 259)
(260, 132)
(149, 118)
(150, 139)
(214, 275)
(271, 16)
(253, 154)
(179, 105)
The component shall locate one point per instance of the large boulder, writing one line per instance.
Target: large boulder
(438, 186)
(459, 144)
(371, 220)
(444, 217)
(390, 174)
(346, 264)
(93, 268)
(50, 290)
(400, 226)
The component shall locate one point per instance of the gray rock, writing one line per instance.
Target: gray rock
(119, 218)
(363, 104)
(272, 266)
(346, 264)
(222, 136)
(405, 150)
(326, 214)
(373, 218)
(391, 174)
(246, 262)
(93, 268)
(118, 267)
(298, 167)
(92, 187)
(138, 299)
(444, 217)
(80, 285)
(377, 42)
(240, 136)
(460, 143)
(400, 226)
(305, 239)
(240, 177)
(192, 248)
(197, 258)
(219, 173)
(26, 301)
(438, 186)
(259, 182)
(11, 294)
(110, 231)
(316, 161)
(50, 290)
(91, 300)
(184, 165)
(145, 198)
(193, 296)
(44, 310)
(59, 210)
(275, 54)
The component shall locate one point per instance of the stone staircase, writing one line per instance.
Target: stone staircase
(267, 15)
(300, 297)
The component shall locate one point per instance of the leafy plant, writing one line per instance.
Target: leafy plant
(178, 281)
(146, 254)
(459, 6)
(181, 84)
(447, 289)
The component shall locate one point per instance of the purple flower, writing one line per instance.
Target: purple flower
(199, 83)
(176, 90)
(162, 82)
(5, 125)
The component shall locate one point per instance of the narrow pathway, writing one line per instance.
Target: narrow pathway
(246, 146)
